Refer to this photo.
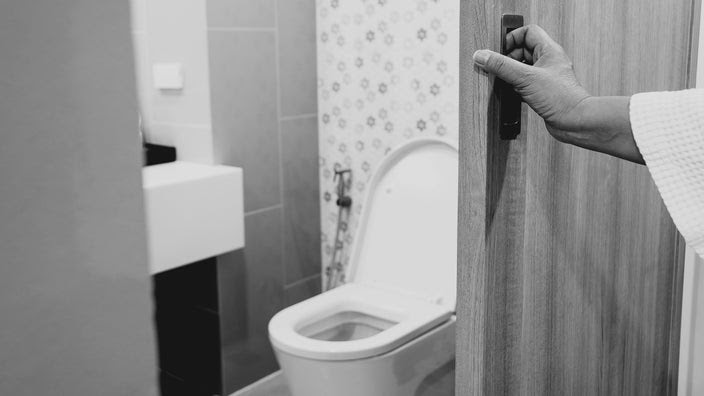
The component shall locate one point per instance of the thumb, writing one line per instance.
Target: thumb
(503, 67)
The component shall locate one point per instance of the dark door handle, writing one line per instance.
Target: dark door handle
(509, 100)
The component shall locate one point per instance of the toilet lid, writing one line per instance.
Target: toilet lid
(406, 239)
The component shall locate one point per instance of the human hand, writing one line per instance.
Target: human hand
(546, 81)
(540, 71)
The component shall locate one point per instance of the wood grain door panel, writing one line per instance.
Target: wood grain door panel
(569, 274)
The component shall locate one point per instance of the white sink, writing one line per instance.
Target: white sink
(193, 212)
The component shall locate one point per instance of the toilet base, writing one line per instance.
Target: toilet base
(424, 366)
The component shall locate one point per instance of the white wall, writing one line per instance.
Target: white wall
(168, 31)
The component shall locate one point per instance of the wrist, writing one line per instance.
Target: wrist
(584, 128)
(586, 114)
(604, 125)
(600, 118)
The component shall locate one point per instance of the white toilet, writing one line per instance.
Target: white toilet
(390, 330)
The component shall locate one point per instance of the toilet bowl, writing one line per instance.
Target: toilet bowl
(390, 330)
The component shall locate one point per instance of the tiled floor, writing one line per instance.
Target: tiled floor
(273, 385)
(440, 383)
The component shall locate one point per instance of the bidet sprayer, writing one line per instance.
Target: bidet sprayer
(343, 200)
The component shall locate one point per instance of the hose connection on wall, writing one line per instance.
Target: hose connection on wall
(334, 272)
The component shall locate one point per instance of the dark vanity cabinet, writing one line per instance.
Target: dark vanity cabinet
(188, 330)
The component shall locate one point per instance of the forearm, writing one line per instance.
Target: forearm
(605, 127)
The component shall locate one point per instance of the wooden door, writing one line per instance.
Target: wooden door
(569, 264)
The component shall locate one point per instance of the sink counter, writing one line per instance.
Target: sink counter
(193, 212)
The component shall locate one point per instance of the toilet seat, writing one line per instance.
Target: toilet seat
(402, 278)
(412, 316)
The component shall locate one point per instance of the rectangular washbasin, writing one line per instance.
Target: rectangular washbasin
(193, 212)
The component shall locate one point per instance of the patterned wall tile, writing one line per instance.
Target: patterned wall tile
(387, 72)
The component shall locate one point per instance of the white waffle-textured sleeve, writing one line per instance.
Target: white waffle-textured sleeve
(668, 128)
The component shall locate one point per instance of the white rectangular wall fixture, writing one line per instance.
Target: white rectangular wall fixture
(193, 212)
(167, 76)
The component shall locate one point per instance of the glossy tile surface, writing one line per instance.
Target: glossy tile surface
(245, 127)
(297, 57)
(253, 293)
(299, 151)
(302, 290)
(263, 76)
(240, 13)
(176, 32)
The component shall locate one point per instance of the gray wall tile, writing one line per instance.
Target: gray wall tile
(263, 262)
(282, 242)
(249, 356)
(297, 57)
(247, 363)
(241, 13)
(302, 290)
(232, 297)
(244, 111)
(301, 188)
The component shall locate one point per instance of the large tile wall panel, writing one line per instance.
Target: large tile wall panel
(194, 143)
(302, 290)
(249, 357)
(232, 297)
(263, 79)
(247, 363)
(245, 130)
(176, 32)
(299, 153)
(297, 58)
(263, 266)
(241, 13)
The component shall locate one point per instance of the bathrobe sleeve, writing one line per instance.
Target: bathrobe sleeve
(668, 128)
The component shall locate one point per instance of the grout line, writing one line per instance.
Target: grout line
(277, 65)
(298, 117)
(240, 29)
(298, 282)
(320, 130)
(257, 211)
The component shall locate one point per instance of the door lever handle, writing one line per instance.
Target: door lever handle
(509, 100)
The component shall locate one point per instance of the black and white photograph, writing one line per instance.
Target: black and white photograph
(351, 197)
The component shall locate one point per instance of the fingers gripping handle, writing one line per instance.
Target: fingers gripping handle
(509, 100)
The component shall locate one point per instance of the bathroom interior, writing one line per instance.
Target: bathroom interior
(269, 198)
(292, 106)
